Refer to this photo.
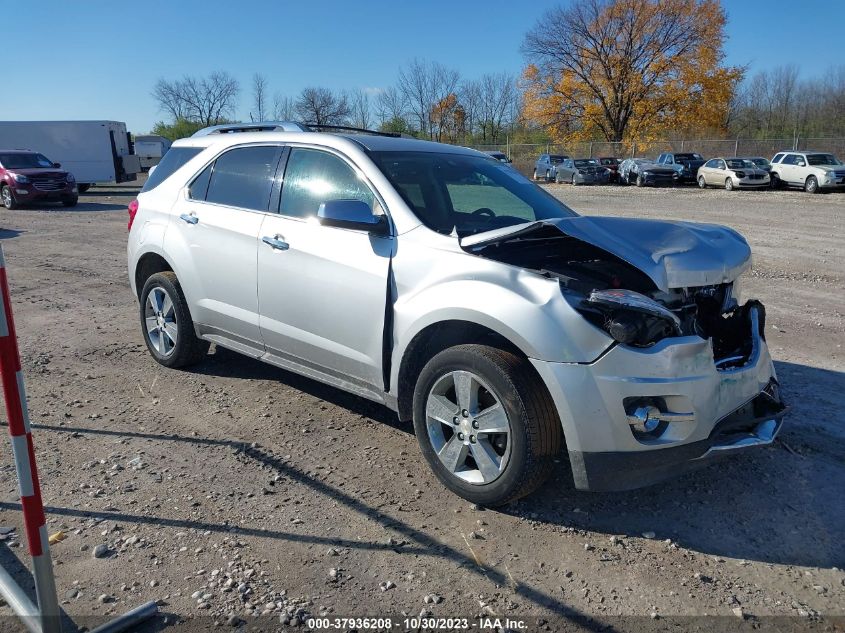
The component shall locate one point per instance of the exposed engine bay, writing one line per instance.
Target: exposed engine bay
(619, 298)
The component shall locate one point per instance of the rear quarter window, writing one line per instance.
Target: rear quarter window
(170, 163)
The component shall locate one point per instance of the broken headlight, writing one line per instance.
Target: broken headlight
(629, 317)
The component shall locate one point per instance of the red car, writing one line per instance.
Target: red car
(27, 177)
(611, 163)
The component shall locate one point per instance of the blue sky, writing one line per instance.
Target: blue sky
(93, 59)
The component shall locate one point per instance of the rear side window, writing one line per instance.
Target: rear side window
(243, 177)
(313, 177)
(172, 160)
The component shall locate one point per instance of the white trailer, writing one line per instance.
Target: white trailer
(93, 151)
(150, 148)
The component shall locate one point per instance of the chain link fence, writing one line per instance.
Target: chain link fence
(524, 155)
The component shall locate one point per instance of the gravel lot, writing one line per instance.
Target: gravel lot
(237, 489)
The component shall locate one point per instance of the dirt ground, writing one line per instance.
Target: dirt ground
(238, 489)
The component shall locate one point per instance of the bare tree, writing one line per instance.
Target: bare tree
(391, 105)
(284, 108)
(359, 105)
(423, 85)
(207, 100)
(259, 97)
(321, 106)
(497, 98)
(469, 95)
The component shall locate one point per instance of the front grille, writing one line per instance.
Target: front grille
(839, 174)
(755, 177)
(48, 184)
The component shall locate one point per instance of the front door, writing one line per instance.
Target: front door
(322, 290)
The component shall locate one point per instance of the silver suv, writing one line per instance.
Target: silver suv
(443, 284)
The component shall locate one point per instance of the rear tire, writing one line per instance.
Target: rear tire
(523, 459)
(174, 344)
(812, 185)
(702, 184)
(8, 198)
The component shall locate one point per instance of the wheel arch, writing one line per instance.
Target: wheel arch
(435, 338)
(149, 264)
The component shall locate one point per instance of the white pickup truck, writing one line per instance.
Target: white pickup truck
(812, 171)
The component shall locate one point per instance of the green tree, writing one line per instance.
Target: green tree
(180, 128)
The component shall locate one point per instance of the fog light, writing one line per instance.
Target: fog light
(22, 192)
(644, 419)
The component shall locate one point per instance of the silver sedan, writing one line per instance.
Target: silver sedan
(732, 173)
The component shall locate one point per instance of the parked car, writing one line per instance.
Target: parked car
(764, 164)
(546, 166)
(732, 173)
(28, 177)
(685, 165)
(643, 172)
(812, 171)
(582, 171)
(612, 164)
(425, 277)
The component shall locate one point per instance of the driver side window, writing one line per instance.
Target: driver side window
(313, 177)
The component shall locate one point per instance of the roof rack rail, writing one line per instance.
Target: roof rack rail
(261, 126)
(346, 128)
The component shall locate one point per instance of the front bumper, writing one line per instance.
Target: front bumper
(749, 183)
(591, 179)
(731, 409)
(27, 193)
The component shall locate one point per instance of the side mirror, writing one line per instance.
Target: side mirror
(57, 165)
(351, 214)
(801, 163)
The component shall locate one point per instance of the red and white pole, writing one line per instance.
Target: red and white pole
(30, 491)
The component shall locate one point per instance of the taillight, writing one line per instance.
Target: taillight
(133, 209)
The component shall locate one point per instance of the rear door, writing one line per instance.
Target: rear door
(322, 290)
(216, 222)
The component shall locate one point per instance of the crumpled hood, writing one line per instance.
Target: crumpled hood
(673, 254)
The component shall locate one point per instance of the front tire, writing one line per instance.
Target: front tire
(729, 184)
(812, 185)
(640, 181)
(548, 176)
(8, 198)
(702, 184)
(166, 323)
(574, 180)
(534, 175)
(485, 424)
(71, 201)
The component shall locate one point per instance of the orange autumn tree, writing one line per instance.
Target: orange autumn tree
(624, 70)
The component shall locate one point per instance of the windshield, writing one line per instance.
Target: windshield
(586, 162)
(822, 159)
(691, 156)
(739, 163)
(25, 161)
(556, 160)
(609, 161)
(762, 162)
(466, 193)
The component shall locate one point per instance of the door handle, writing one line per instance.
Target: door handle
(275, 242)
(189, 218)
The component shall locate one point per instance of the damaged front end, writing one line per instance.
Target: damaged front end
(639, 280)
(689, 378)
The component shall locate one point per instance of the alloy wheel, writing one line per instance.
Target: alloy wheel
(7, 197)
(160, 320)
(468, 427)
